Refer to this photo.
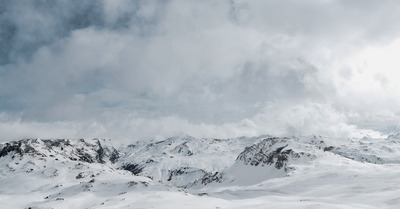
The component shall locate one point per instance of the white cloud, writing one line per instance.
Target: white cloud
(207, 68)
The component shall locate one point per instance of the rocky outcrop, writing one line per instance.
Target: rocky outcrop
(13, 147)
(182, 149)
(212, 177)
(276, 152)
(134, 168)
(90, 151)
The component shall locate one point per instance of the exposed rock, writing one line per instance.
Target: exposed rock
(76, 150)
(114, 156)
(80, 175)
(182, 149)
(10, 147)
(184, 176)
(272, 152)
(212, 177)
(134, 168)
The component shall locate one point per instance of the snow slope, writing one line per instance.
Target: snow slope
(185, 172)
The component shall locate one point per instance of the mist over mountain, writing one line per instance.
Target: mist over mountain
(199, 104)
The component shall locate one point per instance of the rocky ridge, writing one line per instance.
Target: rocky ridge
(189, 162)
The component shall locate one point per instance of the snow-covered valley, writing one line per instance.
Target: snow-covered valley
(186, 172)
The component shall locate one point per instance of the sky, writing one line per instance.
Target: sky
(134, 70)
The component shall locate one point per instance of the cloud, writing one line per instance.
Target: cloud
(227, 68)
(299, 120)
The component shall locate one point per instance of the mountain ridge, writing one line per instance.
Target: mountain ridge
(179, 165)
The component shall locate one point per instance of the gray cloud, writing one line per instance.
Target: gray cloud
(126, 69)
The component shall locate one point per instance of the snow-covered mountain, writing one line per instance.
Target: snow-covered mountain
(186, 172)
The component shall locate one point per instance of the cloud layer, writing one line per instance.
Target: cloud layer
(142, 69)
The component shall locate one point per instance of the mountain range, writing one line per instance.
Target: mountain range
(188, 172)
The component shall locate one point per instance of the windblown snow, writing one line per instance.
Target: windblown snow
(186, 172)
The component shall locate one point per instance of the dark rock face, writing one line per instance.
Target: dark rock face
(134, 168)
(114, 156)
(182, 149)
(85, 157)
(271, 152)
(19, 148)
(80, 175)
(76, 150)
(56, 143)
(13, 147)
(212, 177)
(100, 153)
(185, 176)
(177, 172)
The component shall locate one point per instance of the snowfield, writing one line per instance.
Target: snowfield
(185, 172)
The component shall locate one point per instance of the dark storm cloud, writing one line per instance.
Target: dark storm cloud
(207, 68)
(28, 25)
